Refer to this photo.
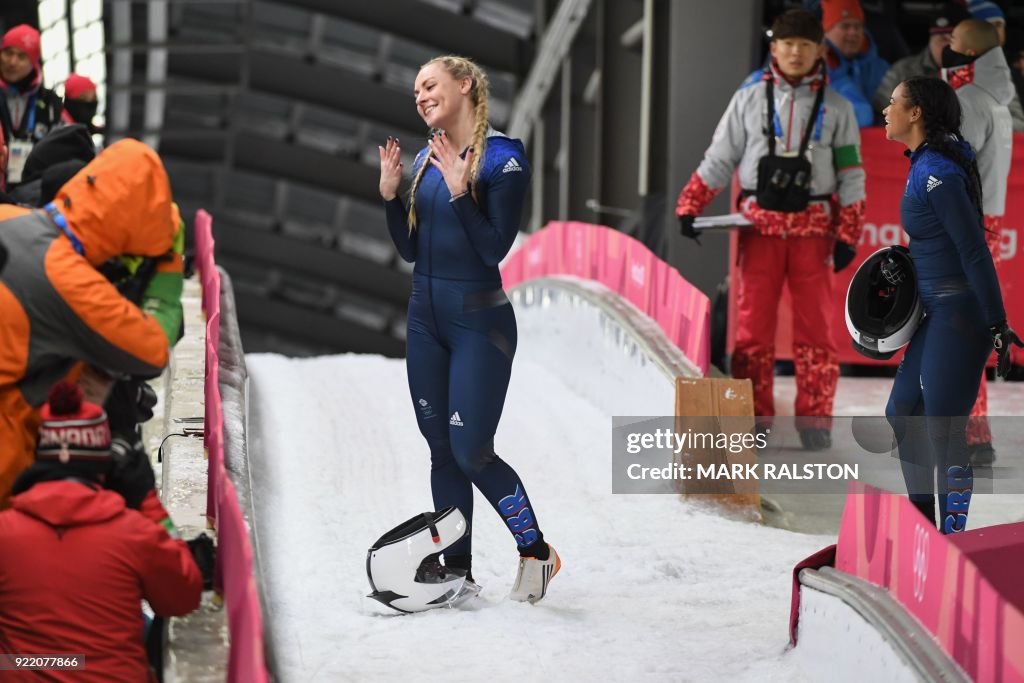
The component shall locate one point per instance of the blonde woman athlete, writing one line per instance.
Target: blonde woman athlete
(463, 214)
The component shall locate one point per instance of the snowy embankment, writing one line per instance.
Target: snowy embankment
(652, 587)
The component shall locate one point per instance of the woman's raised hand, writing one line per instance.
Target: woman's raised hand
(390, 168)
(454, 168)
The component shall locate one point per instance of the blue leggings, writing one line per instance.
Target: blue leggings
(461, 339)
(933, 393)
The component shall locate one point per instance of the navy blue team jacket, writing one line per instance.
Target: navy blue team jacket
(461, 240)
(947, 241)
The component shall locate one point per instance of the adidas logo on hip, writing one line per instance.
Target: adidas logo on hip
(455, 421)
(512, 165)
(933, 182)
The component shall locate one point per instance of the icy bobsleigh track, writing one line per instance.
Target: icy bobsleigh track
(311, 453)
(879, 639)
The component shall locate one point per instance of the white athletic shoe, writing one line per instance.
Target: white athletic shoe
(534, 576)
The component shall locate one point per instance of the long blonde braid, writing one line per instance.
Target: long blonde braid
(459, 68)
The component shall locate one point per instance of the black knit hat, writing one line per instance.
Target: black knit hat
(947, 17)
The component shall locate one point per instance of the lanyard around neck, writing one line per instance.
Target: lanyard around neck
(813, 122)
(58, 219)
(30, 112)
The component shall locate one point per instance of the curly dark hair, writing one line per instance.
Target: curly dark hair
(940, 109)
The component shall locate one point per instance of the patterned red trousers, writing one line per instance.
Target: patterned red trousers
(805, 265)
(977, 426)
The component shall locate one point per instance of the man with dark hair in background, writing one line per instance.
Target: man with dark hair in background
(927, 62)
(803, 190)
(977, 70)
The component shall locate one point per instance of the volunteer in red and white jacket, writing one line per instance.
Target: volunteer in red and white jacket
(800, 247)
(85, 542)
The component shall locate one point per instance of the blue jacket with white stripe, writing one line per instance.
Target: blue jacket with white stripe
(947, 241)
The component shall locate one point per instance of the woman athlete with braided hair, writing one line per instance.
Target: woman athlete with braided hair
(937, 381)
(462, 216)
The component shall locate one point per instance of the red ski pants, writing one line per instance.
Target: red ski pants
(805, 264)
(977, 426)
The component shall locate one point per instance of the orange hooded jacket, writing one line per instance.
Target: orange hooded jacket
(56, 308)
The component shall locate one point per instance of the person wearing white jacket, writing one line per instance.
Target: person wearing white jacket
(787, 125)
(977, 70)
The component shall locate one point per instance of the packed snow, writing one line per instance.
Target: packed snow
(651, 588)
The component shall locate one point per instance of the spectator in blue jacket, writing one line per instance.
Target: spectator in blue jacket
(854, 68)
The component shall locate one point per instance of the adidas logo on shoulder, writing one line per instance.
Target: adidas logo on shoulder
(455, 421)
(511, 166)
(933, 182)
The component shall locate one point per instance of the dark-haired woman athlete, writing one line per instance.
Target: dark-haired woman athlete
(938, 378)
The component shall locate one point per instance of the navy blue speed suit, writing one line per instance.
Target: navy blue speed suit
(461, 333)
(937, 381)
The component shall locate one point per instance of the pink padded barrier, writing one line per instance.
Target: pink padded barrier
(512, 268)
(611, 259)
(245, 622)
(664, 296)
(233, 572)
(213, 309)
(202, 233)
(626, 266)
(578, 248)
(883, 539)
(213, 422)
(535, 259)
(209, 279)
(639, 278)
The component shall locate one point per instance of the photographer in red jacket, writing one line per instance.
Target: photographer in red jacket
(77, 558)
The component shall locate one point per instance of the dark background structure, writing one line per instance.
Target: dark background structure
(268, 114)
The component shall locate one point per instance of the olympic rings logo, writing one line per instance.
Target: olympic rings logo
(920, 563)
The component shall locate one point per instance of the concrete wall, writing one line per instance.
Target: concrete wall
(702, 51)
(713, 46)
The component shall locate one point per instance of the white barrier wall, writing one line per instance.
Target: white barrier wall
(600, 345)
(836, 643)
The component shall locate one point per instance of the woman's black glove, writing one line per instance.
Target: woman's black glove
(842, 255)
(1002, 339)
